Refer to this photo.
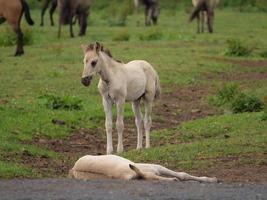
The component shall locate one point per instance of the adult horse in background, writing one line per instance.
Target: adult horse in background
(134, 81)
(68, 9)
(45, 4)
(12, 11)
(151, 10)
(204, 8)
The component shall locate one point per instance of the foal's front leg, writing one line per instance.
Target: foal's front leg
(120, 124)
(107, 103)
(138, 122)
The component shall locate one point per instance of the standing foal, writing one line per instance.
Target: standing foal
(134, 81)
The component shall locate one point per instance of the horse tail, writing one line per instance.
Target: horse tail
(26, 10)
(200, 5)
(157, 88)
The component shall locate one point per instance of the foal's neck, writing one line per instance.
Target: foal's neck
(108, 67)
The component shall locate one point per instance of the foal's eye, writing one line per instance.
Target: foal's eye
(93, 63)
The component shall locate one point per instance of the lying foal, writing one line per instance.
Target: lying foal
(112, 166)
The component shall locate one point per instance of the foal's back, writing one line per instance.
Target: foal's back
(109, 166)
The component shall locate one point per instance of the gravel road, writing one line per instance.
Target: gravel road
(48, 189)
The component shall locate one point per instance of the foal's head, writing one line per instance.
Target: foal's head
(91, 61)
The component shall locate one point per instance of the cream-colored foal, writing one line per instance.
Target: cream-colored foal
(112, 166)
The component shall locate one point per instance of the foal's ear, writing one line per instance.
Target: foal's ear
(84, 48)
(98, 47)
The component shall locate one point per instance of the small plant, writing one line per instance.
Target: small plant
(236, 48)
(122, 36)
(154, 34)
(232, 98)
(263, 54)
(9, 38)
(225, 95)
(54, 102)
(245, 103)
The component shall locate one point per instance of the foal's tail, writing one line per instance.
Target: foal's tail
(157, 88)
(26, 10)
(140, 175)
(200, 6)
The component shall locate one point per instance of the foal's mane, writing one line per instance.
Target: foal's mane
(99, 47)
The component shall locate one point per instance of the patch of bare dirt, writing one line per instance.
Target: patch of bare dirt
(245, 78)
(229, 169)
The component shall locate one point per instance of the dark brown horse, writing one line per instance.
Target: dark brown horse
(204, 8)
(151, 10)
(69, 9)
(12, 11)
(53, 7)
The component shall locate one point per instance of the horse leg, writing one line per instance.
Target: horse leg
(83, 24)
(45, 6)
(198, 20)
(138, 122)
(71, 27)
(120, 124)
(107, 103)
(52, 10)
(202, 21)
(19, 33)
(149, 18)
(210, 15)
(148, 121)
(146, 16)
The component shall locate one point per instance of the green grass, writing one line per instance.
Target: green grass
(181, 57)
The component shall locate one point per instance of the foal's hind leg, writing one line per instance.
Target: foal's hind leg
(182, 175)
(148, 121)
(138, 123)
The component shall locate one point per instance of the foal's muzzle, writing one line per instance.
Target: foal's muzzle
(86, 80)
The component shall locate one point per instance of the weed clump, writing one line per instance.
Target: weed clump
(245, 103)
(122, 36)
(236, 48)
(225, 95)
(66, 102)
(231, 97)
(263, 54)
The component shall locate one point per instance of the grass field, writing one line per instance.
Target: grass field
(51, 69)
